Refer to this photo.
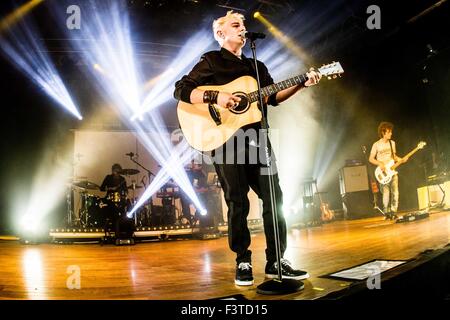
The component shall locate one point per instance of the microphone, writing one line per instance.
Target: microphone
(131, 154)
(252, 35)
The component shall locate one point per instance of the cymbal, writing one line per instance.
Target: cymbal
(135, 187)
(129, 172)
(87, 185)
(76, 178)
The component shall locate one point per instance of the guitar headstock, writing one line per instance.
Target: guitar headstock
(331, 70)
(421, 145)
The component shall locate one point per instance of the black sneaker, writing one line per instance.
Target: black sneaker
(244, 275)
(286, 270)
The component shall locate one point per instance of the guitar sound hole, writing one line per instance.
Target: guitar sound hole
(243, 104)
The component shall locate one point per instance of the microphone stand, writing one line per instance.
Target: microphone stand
(279, 285)
(149, 173)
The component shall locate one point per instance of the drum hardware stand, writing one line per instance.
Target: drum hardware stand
(149, 174)
(69, 198)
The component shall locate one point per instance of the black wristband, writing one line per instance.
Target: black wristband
(210, 96)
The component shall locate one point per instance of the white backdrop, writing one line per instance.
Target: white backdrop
(96, 151)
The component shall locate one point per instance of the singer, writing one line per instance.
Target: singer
(217, 68)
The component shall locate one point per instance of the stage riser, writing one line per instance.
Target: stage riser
(254, 225)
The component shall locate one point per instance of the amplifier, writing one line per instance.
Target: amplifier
(353, 179)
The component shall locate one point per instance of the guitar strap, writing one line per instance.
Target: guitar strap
(392, 150)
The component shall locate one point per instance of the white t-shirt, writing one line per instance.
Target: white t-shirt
(382, 151)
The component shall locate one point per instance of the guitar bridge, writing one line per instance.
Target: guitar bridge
(215, 115)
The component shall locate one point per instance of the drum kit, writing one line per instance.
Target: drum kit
(89, 207)
(168, 194)
(94, 209)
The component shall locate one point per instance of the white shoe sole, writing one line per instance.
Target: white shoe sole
(243, 283)
(273, 276)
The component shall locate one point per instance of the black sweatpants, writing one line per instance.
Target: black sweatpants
(236, 179)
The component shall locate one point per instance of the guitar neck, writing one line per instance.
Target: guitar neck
(407, 156)
(277, 87)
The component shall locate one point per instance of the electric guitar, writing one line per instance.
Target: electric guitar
(384, 177)
(207, 127)
(326, 213)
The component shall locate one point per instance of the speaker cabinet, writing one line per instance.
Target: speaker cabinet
(357, 205)
(434, 195)
(353, 179)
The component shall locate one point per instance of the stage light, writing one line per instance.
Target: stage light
(48, 189)
(30, 223)
(119, 80)
(26, 52)
(187, 57)
(99, 68)
(203, 212)
(174, 167)
(283, 38)
(11, 19)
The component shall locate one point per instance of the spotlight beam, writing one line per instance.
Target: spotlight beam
(284, 39)
(11, 19)
(162, 91)
(118, 77)
(29, 56)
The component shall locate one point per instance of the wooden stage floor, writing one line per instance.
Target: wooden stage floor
(204, 269)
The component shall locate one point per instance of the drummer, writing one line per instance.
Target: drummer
(114, 182)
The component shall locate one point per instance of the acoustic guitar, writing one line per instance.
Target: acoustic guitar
(208, 126)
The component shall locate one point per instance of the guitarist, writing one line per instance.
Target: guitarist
(218, 68)
(382, 152)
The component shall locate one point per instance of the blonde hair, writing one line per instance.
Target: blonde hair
(219, 22)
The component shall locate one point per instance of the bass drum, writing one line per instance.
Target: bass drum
(96, 211)
(114, 197)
